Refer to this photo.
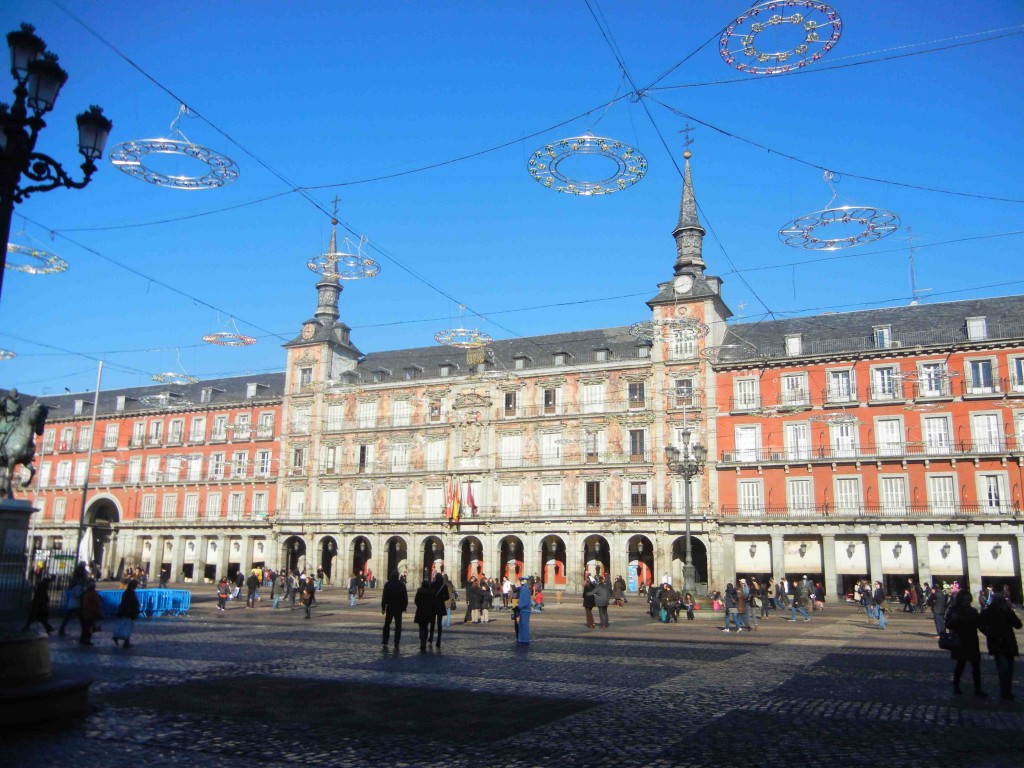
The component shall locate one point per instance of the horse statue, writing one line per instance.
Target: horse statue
(18, 446)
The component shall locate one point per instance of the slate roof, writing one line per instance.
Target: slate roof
(923, 325)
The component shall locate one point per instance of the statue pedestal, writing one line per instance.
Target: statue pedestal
(29, 692)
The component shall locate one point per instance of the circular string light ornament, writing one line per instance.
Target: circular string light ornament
(848, 225)
(226, 339)
(814, 27)
(39, 262)
(835, 419)
(172, 377)
(922, 407)
(545, 165)
(714, 353)
(6, 354)
(346, 263)
(166, 400)
(130, 157)
(669, 329)
(462, 338)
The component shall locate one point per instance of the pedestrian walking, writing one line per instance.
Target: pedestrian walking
(878, 598)
(525, 606)
(441, 591)
(353, 589)
(393, 602)
(426, 611)
(73, 595)
(91, 612)
(277, 590)
(618, 591)
(309, 597)
(731, 608)
(252, 586)
(127, 612)
(290, 589)
(39, 609)
(962, 621)
(997, 623)
(800, 598)
(223, 593)
(602, 597)
(588, 602)
(937, 601)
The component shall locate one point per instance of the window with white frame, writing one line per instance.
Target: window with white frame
(191, 510)
(59, 507)
(593, 446)
(156, 432)
(148, 511)
(745, 394)
(976, 329)
(262, 463)
(637, 394)
(329, 456)
(176, 432)
(300, 421)
(794, 344)
(138, 437)
(683, 346)
(937, 433)
(106, 472)
(889, 436)
(236, 506)
(643, 350)
(49, 439)
(551, 448)
(174, 468)
(885, 382)
(748, 442)
(215, 467)
(239, 464)
(152, 469)
(329, 503)
(510, 450)
(398, 502)
(67, 437)
(364, 458)
(847, 495)
(592, 398)
(81, 469)
(987, 432)
(367, 415)
(44, 474)
(335, 417)
(298, 466)
(794, 389)
(296, 504)
(799, 496)
(134, 469)
(401, 412)
(433, 501)
(749, 495)
(243, 426)
(942, 495)
(893, 491)
(683, 392)
(843, 437)
(992, 495)
(305, 376)
(601, 355)
(220, 428)
(882, 336)
(169, 507)
(110, 436)
(206, 394)
(266, 426)
(259, 505)
(364, 502)
(1018, 421)
(552, 401)
(84, 436)
(551, 497)
(1017, 374)
(508, 500)
(840, 387)
(435, 455)
(980, 377)
(400, 457)
(195, 467)
(797, 437)
(933, 380)
(213, 506)
(511, 403)
(197, 429)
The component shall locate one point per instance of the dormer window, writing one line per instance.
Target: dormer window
(976, 329)
(381, 374)
(412, 372)
(601, 355)
(560, 358)
(206, 394)
(794, 344)
(79, 406)
(252, 389)
(882, 335)
(446, 370)
(643, 350)
(121, 400)
(521, 362)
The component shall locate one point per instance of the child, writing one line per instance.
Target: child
(538, 601)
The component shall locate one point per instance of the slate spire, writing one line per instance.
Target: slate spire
(688, 234)
(329, 288)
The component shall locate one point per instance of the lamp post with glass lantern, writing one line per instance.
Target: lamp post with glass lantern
(38, 79)
(686, 463)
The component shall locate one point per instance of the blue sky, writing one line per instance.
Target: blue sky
(333, 93)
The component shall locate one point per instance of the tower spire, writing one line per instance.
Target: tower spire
(688, 234)
(328, 290)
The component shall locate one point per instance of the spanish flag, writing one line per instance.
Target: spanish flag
(456, 501)
(448, 501)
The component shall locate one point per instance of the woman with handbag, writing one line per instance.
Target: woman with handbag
(588, 602)
(962, 621)
(127, 613)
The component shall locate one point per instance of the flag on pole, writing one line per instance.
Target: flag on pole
(456, 501)
(448, 501)
(470, 501)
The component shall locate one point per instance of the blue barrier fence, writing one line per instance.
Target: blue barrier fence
(152, 602)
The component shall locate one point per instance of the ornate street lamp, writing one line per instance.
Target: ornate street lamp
(687, 463)
(38, 80)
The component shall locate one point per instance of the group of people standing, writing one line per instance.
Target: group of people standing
(432, 607)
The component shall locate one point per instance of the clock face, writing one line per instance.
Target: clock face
(307, 331)
(683, 283)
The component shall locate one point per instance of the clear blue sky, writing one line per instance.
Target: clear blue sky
(328, 93)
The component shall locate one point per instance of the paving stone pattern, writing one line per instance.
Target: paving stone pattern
(268, 688)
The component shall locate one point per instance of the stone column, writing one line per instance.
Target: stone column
(875, 558)
(156, 556)
(619, 559)
(727, 558)
(778, 556)
(973, 562)
(245, 556)
(828, 564)
(924, 568)
(177, 559)
(223, 557)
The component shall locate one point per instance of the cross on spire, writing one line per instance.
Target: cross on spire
(686, 130)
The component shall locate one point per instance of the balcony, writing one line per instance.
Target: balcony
(825, 511)
(265, 433)
(744, 403)
(933, 390)
(981, 388)
(876, 452)
(891, 392)
(839, 396)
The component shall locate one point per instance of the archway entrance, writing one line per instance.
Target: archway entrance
(398, 555)
(433, 558)
(640, 568)
(362, 555)
(552, 554)
(328, 554)
(511, 554)
(472, 559)
(294, 552)
(596, 557)
(698, 559)
(101, 520)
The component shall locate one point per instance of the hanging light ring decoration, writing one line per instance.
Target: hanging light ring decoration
(714, 353)
(344, 266)
(6, 354)
(226, 339)
(669, 328)
(808, 231)
(544, 165)
(818, 29)
(172, 377)
(129, 157)
(462, 338)
(835, 419)
(46, 263)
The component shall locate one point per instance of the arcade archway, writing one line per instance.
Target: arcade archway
(472, 559)
(552, 555)
(510, 551)
(397, 556)
(698, 559)
(101, 519)
(433, 557)
(640, 563)
(596, 557)
(360, 556)
(294, 553)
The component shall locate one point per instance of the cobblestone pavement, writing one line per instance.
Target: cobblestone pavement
(269, 688)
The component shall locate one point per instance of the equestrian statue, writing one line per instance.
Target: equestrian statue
(18, 430)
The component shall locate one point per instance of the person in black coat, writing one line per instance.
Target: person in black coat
(588, 602)
(997, 623)
(39, 610)
(442, 593)
(393, 602)
(962, 620)
(425, 612)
